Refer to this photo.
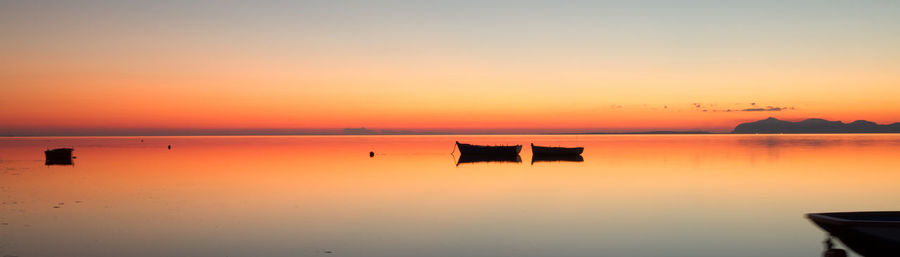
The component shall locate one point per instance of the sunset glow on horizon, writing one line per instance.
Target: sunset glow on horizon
(444, 66)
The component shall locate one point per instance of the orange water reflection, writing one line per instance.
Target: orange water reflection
(633, 195)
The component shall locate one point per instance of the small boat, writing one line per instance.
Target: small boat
(547, 150)
(871, 234)
(59, 153)
(468, 158)
(469, 149)
(58, 156)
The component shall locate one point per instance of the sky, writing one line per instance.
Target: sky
(452, 66)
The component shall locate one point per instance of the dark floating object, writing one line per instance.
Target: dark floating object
(871, 234)
(58, 156)
(556, 158)
(372, 154)
(170, 147)
(469, 149)
(469, 158)
(562, 151)
(59, 153)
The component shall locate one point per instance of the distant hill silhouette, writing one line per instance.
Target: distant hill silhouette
(774, 126)
(359, 131)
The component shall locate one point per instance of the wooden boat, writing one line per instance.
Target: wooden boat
(469, 149)
(871, 234)
(59, 153)
(546, 150)
(58, 156)
(468, 158)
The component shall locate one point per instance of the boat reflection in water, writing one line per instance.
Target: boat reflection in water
(830, 251)
(49, 162)
(470, 158)
(556, 158)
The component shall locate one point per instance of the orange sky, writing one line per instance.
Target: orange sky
(443, 66)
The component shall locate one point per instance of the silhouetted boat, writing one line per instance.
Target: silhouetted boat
(59, 153)
(468, 158)
(556, 158)
(469, 149)
(58, 156)
(546, 150)
(871, 234)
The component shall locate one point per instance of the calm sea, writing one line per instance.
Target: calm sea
(630, 195)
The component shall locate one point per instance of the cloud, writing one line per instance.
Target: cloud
(770, 109)
(752, 108)
(767, 109)
(718, 107)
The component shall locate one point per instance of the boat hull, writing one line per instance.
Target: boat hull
(871, 234)
(58, 156)
(470, 149)
(59, 153)
(546, 150)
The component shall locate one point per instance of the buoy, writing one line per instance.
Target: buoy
(371, 154)
(170, 147)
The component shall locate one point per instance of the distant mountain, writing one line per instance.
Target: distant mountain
(774, 126)
(359, 131)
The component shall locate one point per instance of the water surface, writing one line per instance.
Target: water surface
(630, 195)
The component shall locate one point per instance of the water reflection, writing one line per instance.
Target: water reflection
(830, 251)
(662, 195)
(50, 162)
(556, 158)
(488, 158)
(815, 140)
